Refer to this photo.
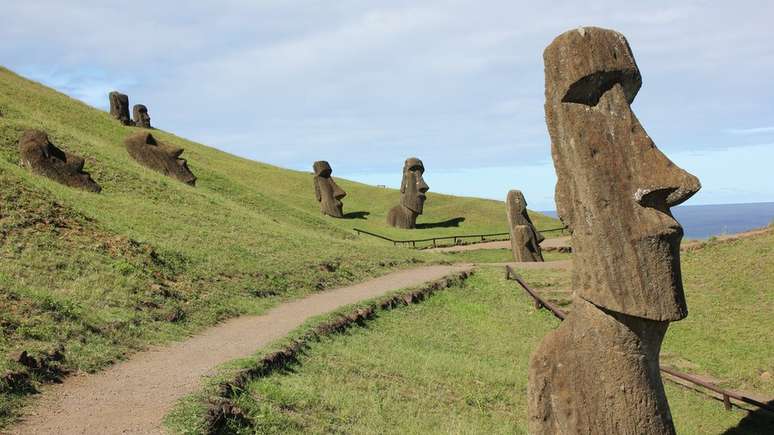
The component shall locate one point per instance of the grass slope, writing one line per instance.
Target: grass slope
(96, 276)
(458, 362)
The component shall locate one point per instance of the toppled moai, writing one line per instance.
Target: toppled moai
(141, 117)
(328, 193)
(119, 107)
(412, 195)
(161, 157)
(598, 372)
(525, 238)
(42, 157)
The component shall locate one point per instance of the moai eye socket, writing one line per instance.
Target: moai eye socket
(589, 89)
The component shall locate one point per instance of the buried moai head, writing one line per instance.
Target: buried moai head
(119, 107)
(141, 117)
(412, 186)
(44, 158)
(614, 188)
(525, 238)
(328, 193)
(144, 148)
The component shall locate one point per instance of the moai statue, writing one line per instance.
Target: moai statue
(119, 107)
(42, 157)
(141, 117)
(598, 372)
(144, 148)
(525, 239)
(412, 195)
(328, 193)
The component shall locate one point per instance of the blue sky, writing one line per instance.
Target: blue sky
(366, 84)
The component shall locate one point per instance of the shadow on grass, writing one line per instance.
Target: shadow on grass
(455, 222)
(756, 422)
(356, 215)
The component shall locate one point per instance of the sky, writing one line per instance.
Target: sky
(366, 84)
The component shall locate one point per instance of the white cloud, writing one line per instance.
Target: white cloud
(746, 131)
(363, 84)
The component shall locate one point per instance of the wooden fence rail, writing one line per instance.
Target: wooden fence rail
(455, 239)
(724, 395)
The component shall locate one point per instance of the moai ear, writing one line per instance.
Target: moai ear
(403, 184)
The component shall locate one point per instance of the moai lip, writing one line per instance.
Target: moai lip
(119, 107)
(525, 238)
(413, 191)
(147, 151)
(328, 193)
(140, 116)
(42, 157)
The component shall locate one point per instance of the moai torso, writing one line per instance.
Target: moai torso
(328, 193)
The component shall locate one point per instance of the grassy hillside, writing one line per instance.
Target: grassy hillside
(458, 362)
(86, 278)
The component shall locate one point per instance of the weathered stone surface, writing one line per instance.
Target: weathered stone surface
(614, 187)
(42, 157)
(598, 372)
(119, 107)
(144, 148)
(328, 193)
(141, 117)
(525, 238)
(412, 195)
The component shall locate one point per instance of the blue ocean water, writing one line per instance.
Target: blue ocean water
(704, 221)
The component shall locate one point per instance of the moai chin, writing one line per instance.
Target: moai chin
(141, 117)
(598, 372)
(525, 238)
(42, 157)
(412, 196)
(163, 158)
(328, 193)
(119, 107)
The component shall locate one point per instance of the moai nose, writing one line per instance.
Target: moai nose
(338, 192)
(422, 186)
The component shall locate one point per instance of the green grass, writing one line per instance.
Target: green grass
(457, 363)
(498, 256)
(151, 259)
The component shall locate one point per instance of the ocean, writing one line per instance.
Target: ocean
(705, 221)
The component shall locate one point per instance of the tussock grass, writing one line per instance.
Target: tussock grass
(151, 259)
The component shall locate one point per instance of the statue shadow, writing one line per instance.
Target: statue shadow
(356, 215)
(455, 222)
(760, 421)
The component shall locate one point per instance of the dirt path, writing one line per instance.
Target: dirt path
(135, 395)
(548, 245)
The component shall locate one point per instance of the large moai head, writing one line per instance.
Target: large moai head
(615, 188)
(43, 158)
(413, 187)
(144, 148)
(141, 117)
(119, 107)
(328, 193)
